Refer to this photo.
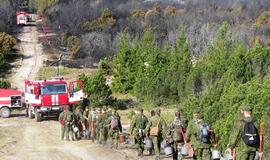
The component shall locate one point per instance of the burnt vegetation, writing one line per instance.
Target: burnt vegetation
(97, 23)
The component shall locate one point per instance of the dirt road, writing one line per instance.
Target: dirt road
(32, 58)
(25, 139)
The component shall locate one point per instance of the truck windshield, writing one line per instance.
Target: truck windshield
(54, 88)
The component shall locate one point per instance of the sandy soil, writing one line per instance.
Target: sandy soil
(25, 139)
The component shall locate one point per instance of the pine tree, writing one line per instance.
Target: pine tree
(123, 63)
(179, 67)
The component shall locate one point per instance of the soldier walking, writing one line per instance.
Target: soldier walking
(244, 137)
(137, 128)
(102, 127)
(175, 129)
(69, 119)
(86, 123)
(92, 120)
(157, 129)
(62, 122)
(199, 134)
(78, 119)
(115, 128)
(97, 121)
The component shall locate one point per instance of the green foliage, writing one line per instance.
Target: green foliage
(4, 83)
(6, 44)
(97, 90)
(106, 20)
(150, 73)
(232, 78)
(124, 67)
(74, 45)
(227, 76)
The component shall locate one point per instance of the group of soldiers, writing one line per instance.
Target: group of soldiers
(99, 124)
(93, 124)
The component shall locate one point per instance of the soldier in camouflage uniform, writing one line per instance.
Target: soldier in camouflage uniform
(86, 123)
(102, 125)
(97, 117)
(78, 119)
(175, 134)
(266, 140)
(69, 119)
(153, 122)
(62, 122)
(243, 151)
(92, 120)
(137, 128)
(193, 135)
(116, 129)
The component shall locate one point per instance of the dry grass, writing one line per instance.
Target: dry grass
(66, 73)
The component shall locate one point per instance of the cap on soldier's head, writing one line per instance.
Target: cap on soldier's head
(200, 116)
(104, 108)
(158, 110)
(178, 111)
(139, 109)
(114, 111)
(195, 112)
(246, 108)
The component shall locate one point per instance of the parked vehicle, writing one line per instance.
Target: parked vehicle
(48, 97)
(10, 99)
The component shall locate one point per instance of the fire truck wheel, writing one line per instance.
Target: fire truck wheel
(30, 114)
(5, 112)
(38, 116)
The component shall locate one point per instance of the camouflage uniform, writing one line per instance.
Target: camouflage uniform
(175, 134)
(137, 127)
(97, 128)
(201, 150)
(78, 119)
(60, 118)
(114, 132)
(243, 151)
(102, 128)
(153, 122)
(86, 123)
(69, 118)
(266, 140)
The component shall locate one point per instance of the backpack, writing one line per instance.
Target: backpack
(250, 135)
(205, 136)
(177, 135)
(114, 123)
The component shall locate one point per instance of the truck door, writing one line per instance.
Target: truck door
(76, 91)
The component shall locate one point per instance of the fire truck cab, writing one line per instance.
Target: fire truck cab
(22, 18)
(49, 97)
(9, 99)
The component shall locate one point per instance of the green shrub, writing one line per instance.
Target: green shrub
(4, 83)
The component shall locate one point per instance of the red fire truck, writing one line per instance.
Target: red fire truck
(22, 17)
(9, 100)
(48, 97)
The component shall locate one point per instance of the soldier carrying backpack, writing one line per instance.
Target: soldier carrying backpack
(175, 136)
(202, 138)
(244, 137)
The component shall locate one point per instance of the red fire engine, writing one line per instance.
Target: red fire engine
(48, 97)
(9, 99)
(22, 17)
